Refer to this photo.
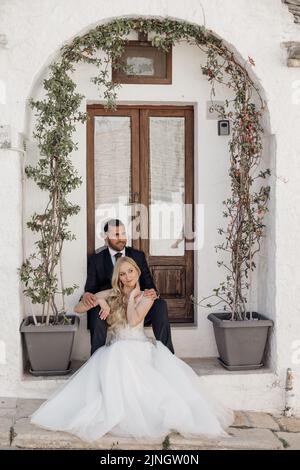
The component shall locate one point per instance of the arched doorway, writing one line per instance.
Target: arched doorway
(210, 177)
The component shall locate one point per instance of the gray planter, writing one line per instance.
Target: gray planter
(49, 347)
(241, 344)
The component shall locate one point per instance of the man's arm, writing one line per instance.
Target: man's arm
(91, 284)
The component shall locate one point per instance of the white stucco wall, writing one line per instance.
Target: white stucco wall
(35, 31)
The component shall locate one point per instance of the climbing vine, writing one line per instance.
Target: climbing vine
(58, 113)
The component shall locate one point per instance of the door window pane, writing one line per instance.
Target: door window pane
(167, 171)
(112, 150)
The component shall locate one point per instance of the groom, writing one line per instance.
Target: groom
(99, 274)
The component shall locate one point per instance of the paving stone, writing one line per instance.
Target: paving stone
(246, 439)
(5, 429)
(257, 438)
(7, 412)
(291, 424)
(290, 440)
(252, 419)
(29, 436)
(8, 402)
(25, 407)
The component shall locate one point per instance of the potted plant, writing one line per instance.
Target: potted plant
(49, 336)
(240, 333)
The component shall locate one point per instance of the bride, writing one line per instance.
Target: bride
(132, 386)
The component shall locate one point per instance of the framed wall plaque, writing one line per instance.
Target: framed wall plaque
(147, 64)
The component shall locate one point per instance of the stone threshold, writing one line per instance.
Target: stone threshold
(202, 367)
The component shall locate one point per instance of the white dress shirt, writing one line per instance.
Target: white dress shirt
(112, 253)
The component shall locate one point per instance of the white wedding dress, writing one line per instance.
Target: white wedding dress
(135, 387)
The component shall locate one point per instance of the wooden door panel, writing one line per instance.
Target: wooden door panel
(169, 280)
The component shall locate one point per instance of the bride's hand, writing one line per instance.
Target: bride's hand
(104, 310)
(104, 313)
(136, 291)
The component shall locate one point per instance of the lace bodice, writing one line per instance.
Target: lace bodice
(129, 332)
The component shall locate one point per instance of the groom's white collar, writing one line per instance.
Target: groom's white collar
(112, 252)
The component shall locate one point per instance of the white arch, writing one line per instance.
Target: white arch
(198, 11)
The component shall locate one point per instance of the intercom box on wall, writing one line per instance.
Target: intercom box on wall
(223, 127)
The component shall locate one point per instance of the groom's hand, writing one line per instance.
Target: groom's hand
(150, 293)
(89, 300)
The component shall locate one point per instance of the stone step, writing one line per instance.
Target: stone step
(251, 430)
(28, 436)
(202, 366)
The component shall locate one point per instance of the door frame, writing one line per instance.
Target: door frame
(140, 172)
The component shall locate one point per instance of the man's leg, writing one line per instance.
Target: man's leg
(158, 318)
(98, 331)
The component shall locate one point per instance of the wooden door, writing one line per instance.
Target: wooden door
(144, 156)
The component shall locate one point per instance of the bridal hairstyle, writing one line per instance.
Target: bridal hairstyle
(117, 300)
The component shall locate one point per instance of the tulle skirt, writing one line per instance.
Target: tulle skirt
(133, 388)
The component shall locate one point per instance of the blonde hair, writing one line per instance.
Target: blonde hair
(117, 300)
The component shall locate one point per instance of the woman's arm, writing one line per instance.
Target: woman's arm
(101, 296)
(135, 314)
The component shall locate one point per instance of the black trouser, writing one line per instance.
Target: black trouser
(157, 317)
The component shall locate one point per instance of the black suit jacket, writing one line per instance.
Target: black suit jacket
(100, 269)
